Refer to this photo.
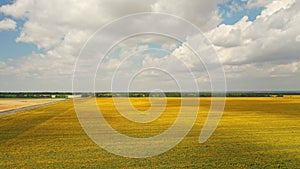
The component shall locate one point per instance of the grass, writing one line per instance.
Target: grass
(253, 133)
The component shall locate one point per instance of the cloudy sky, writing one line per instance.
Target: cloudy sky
(257, 43)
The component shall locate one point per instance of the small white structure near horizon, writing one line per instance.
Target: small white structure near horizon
(73, 96)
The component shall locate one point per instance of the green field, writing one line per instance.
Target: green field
(253, 133)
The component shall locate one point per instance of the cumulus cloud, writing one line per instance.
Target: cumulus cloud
(201, 13)
(49, 24)
(285, 70)
(258, 3)
(269, 40)
(264, 47)
(276, 6)
(297, 38)
(261, 50)
(7, 24)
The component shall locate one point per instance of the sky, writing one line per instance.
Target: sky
(255, 43)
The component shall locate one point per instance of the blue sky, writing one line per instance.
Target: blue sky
(9, 47)
(234, 10)
(12, 49)
(5, 2)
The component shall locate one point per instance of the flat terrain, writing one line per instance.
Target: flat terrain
(253, 133)
(11, 104)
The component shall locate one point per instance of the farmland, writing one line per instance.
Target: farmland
(253, 133)
(11, 104)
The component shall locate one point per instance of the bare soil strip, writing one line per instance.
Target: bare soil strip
(11, 106)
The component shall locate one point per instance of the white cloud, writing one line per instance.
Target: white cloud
(229, 35)
(258, 3)
(270, 38)
(276, 6)
(265, 48)
(49, 23)
(261, 48)
(297, 38)
(285, 70)
(201, 13)
(7, 24)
